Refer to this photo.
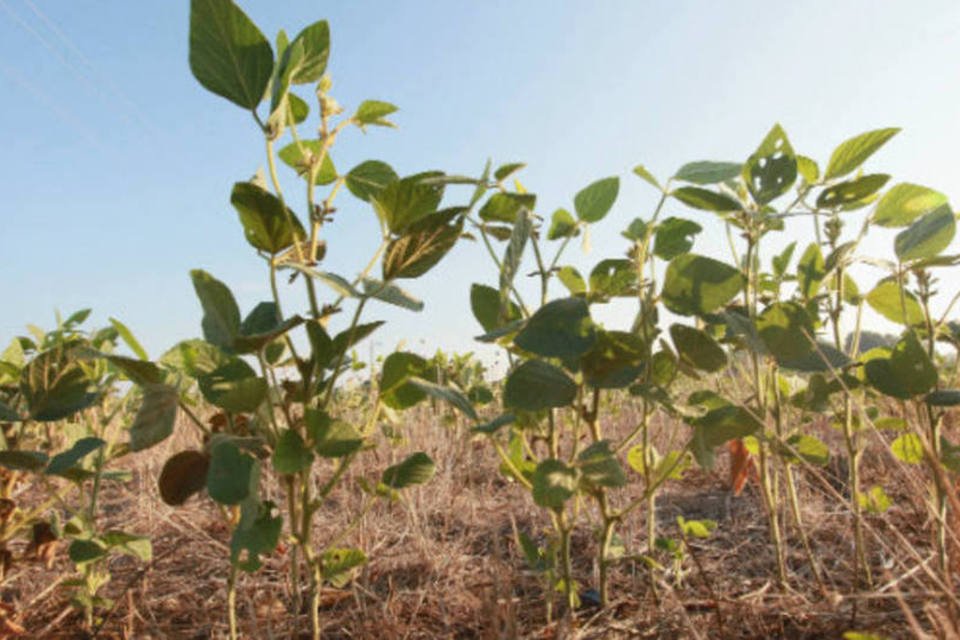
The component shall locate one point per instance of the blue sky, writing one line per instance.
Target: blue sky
(117, 165)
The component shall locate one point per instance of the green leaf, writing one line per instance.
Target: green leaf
(402, 202)
(696, 528)
(927, 236)
(368, 179)
(536, 385)
(314, 44)
(706, 200)
(492, 427)
(221, 315)
(811, 449)
(63, 462)
(415, 469)
(874, 501)
(303, 154)
(719, 425)
(267, 224)
(155, 418)
(908, 448)
(513, 254)
(391, 294)
(229, 55)
(262, 326)
(708, 172)
(854, 152)
(339, 565)
(615, 361)
(943, 398)
(562, 225)
(130, 544)
(613, 278)
(907, 372)
(183, 475)
(23, 460)
(592, 203)
(810, 272)
(808, 169)
(504, 207)
(553, 484)
(852, 191)
(231, 473)
(772, 169)
(644, 174)
(332, 438)
(571, 279)
(397, 369)
(9, 415)
(674, 237)
(55, 384)
(906, 202)
(599, 466)
(128, 339)
(697, 285)
(485, 304)
(786, 330)
(257, 534)
(895, 305)
(234, 386)
(336, 282)
(423, 245)
(506, 170)
(449, 395)
(291, 454)
(559, 329)
(374, 113)
(193, 358)
(697, 348)
(84, 552)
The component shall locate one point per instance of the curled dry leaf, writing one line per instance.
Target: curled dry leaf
(183, 475)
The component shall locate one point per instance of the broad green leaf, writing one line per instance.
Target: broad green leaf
(63, 462)
(943, 398)
(697, 348)
(339, 565)
(391, 294)
(83, 552)
(599, 466)
(504, 207)
(303, 154)
(397, 369)
(137, 546)
(55, 384)
(332, 438)
(708, 172)
(772, 169)
(874, 501)
(449, 395)
(854, 152)
(291, 454)
(719, 425)
(927, 236)
(128, 339)
(183, 475)
(907, 372)
(822, 358)
(802, 447)
(267, 224)
(230, 474)
(553, 484)
(314, 43)
(908, 448)
(559, 329)
(697, 285)
(613, 278)
(504, 171)
(571, 279)
(221, 315)
(402, 202)
(415, 469)
(810, 272)
(615, 360)
(706, 200)
(23, 460)
(786, 330)
(906, 202)
(847, 193)
(155, 418)
(262, 326)
(562, 225)
(141, 372)
(193, 358)
(423, 245)
(257, 534)
(592, 203)
(696, 528)
(636, 231)
(346, 339)
(808, 169)
(674, 237)
(229, 55)
(644, 174)
(485, 304)
(536, 385)
(234, 386)
(368, 178)
(895, 304)
(374, 113)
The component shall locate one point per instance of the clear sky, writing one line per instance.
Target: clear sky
(116, 165)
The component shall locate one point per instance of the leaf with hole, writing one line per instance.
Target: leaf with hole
(847, 194)
(772, 169)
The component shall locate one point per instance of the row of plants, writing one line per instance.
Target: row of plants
(769, 341)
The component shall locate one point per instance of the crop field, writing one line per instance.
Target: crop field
(738, 456)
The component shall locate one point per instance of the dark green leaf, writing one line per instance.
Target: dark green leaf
(374, 112)
(291, 454)
(485, 304)
(391, 294)
(562, 225)
(697, 285)
(504, 207)
(674, 237)
(787, 330)
(559, 329)
(332, 438)
(615, 360)
(230, 474)
(612, 278)
(55, 384)
(221, 315)
(156, 417)
(314, 43)
(449, 395)
(599, 466)
(592, 203)
(234, 386)
(63, 462)
(267, 224)
(852, 191)
(367, 179)
(257, 534)
(706, 200)
(708, 172)
(927, 236)
(83, 552)
(423, 245)
(697, 348)
(810, 272)
(402, 202)
(303, 154)
(415, 469)
(772, 169)
(553, 484)
(397, 369)
(23, 460)
(536, 385)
